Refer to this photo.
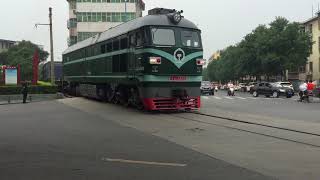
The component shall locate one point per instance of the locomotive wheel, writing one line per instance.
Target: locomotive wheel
(101, 93)
(110, 94)
(136, 100)
(122, 96)
(77, 91)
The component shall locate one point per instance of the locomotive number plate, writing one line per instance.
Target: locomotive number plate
(178, 78)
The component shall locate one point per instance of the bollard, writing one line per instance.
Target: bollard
(30, 98)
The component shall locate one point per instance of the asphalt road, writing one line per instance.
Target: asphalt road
(51, 140)
(269, 108)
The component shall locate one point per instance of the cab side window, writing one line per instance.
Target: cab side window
(139, 38)
(132, 40)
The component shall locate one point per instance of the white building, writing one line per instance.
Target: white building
(6, 44)
(89, 17)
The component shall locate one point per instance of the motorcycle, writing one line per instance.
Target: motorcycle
(231, 91)
(305, 96)
(216, 88)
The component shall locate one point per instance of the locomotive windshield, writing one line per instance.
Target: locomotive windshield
(190, 38)
(163, 36)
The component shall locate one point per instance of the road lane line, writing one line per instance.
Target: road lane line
(144, 162)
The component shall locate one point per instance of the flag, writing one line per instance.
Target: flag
(35, 67)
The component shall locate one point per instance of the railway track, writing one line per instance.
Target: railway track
(215, 123)
(215, 117)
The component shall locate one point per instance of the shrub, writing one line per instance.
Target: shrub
(40, 89)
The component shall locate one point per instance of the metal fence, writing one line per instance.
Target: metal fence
(16, 99)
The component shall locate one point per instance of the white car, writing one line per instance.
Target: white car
(243, 87)
(284, 84)
(237, 88)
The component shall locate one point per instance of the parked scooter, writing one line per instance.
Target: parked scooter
(231, 91)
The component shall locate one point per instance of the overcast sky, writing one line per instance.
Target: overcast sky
(223, 22)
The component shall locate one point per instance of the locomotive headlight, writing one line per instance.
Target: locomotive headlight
(155, 60)
(177, 17)
(201, 62)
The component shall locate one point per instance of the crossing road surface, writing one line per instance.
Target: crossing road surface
(52, 140)
(268, 108)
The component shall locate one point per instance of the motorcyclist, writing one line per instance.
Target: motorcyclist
(230, 89)
(303, 90)
(216, 88)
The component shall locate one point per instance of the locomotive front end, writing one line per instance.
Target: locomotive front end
(173, 62)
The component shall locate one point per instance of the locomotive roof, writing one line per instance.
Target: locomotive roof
(149, 20)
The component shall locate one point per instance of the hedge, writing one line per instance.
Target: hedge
(40, 89)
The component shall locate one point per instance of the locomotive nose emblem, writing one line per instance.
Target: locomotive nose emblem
(179, 55)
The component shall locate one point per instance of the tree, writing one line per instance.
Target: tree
(3, 58)
(22, 54)
(267, 50)
(289, 45)
(205, 74)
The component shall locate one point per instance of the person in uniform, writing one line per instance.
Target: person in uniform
(24, 92)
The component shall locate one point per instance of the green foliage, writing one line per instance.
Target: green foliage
(205, 76)
(10, 90)
(267, 50)
(22, 54)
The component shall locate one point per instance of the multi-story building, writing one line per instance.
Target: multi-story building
(6, 44)
(214, 57)
(312, 69)
(89, 17)
(45, 73)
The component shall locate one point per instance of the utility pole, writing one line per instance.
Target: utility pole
(125, 10)
(51, 46)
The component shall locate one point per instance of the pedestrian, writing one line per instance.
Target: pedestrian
(24, 92)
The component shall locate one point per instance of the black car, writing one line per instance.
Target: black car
(270, 89)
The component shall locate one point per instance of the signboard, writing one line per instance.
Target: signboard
(11, 76)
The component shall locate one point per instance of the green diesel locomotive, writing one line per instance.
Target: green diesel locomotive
(153, 63)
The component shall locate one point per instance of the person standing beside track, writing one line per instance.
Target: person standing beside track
(24, 92)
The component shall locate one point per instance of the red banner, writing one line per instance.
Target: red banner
(35, 67)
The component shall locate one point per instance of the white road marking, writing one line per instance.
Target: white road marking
(205, 97)
(227, 97)
(240, 97)
(144, 162)
(217, 97)
(252, 98)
